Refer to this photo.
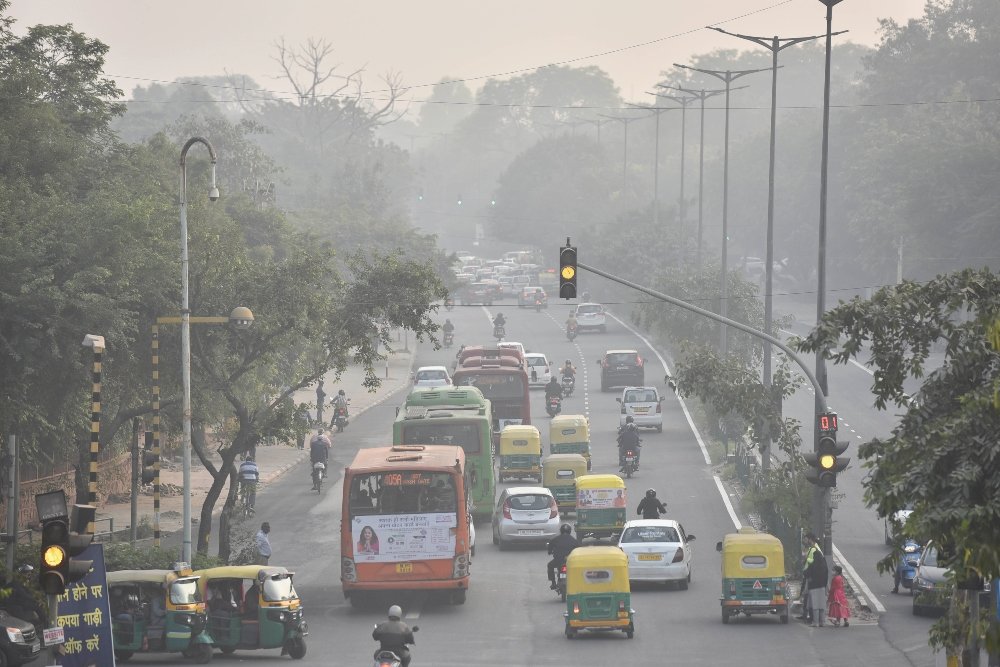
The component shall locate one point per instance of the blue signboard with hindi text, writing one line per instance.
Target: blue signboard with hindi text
(85, 616)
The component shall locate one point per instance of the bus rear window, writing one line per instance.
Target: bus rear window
(495, 385)
(402, 492)
(466, 436)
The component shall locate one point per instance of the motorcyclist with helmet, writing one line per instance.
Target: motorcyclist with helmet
(499, 320)
(628, 439)
(650, 507)
(448, 327)
(560, 547)
(319, 451)
(393, 635)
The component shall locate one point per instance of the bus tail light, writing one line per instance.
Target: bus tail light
(553, 509)
(347, 570)
(460, 567)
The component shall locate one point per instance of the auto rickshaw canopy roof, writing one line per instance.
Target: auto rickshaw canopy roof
(598, 569)
(143, 576)
(600, 482)
(553, 464)
(520, 439)
(255, 572)
(752, 554)
(569, 428)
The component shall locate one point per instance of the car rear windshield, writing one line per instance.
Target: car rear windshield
(589, 310)
(640, 534)
(537, 361)
(640, 396)
(622, 358)
(528, 502)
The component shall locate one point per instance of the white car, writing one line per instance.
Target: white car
(644, 405)
(512, 345)
(539, 371)
(590, 316)
(431, 376)
(525, 514)
(657, 550)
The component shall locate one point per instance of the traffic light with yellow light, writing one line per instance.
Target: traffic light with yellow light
(60, 546)
(827, 461)
(567, 271)
(54, 568)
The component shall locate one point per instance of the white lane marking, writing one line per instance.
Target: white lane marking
(864, 368)
(727, 503)
(857, 581)
(666, 369)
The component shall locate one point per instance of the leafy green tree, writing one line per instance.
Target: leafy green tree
(944, 455)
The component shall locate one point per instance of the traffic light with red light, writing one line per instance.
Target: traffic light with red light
(827, 461)
(567, 271)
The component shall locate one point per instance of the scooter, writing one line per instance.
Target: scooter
(906, 569)
(384, 658)
(553, 405)
(568, 385)
(340, 418)
(498, 332)
(449, 338)
(538, 305)
(319, 472)
(570, 332)
(630, 464)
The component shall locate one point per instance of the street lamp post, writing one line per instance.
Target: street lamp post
(656, 159)
(727, 77)
(821, 496)
(700, 95)
(684, 102)
(213, 195)
(624, 120)
(775, 45)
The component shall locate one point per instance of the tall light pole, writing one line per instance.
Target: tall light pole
(821, 496)
(776, 45)
(624, 120)
(700, 95)
(656, 159)
(96, 343)
(684, 102)
(213, 195)
(727, 77)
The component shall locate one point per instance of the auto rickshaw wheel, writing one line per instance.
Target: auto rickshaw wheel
(122, 656)
(784, 619)
(725, 617)
(630, 632)
(562, 593)
(570, 632)
(296, 648)
(227, 649)
(202, 653)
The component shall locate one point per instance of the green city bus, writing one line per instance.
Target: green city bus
(454, 416)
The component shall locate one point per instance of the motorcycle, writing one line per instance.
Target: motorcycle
(570, 332)
(538, 305)
(630, 463)
(498, 332)
(449, 338)
(385, 658)
(340, 418)
(561, 582)
(449, 304)
(553, 405)
(906, 569)
(568, 385)
(319, 472)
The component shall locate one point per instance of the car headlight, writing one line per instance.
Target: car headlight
(15, 635)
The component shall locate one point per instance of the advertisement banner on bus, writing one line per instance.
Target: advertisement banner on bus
(389, 538)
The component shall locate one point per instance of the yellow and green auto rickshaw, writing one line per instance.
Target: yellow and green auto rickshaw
(570, 434)
(598, 596)
(753, 575)
(254, 607)
(158, 611)
(520, 453)
(600, 506)
(559, 473)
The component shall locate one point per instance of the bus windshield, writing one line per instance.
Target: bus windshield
(495, 385)
(402, 492)
(466, 436)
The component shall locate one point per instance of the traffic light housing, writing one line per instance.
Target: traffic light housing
(54, 569)
(827, 461)
(79, 541)
(567, 271)
(148, 472)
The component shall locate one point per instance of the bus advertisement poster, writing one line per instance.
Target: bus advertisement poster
(389, 538)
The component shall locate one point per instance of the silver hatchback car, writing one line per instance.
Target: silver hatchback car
(524, 515)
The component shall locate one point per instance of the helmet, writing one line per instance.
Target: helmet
(629, 419)
(650, 493)
(341, 392)
(569, 363)
(321, 431)
(395, 613)
(565, 529)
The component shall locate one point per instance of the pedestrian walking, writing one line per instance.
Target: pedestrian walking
(816, 578)
(839, 609)
(263, 544)
(320, 399)
(809, 547)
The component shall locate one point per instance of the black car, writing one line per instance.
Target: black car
(19, 644)
(621, 368)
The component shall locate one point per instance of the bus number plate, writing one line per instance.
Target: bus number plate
(404, 568)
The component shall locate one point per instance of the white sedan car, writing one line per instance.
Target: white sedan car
(657, 550)
(643, 404)
(539, 371)
(431, 376)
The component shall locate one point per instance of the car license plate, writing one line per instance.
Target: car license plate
(529, 532)
(640, 411)
(404, 568)
(650, 557)
(629, 459)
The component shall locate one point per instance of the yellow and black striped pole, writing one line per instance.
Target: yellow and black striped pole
(156, 434)
(97, 344)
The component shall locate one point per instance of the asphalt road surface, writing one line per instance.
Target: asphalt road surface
(511, 617)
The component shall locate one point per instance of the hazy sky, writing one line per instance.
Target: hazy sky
(427, 40)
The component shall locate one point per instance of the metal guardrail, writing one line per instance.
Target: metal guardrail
(107, 535)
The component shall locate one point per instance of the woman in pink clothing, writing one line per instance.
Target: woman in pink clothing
(839, 609)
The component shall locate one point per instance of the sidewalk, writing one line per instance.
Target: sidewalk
(273, 460)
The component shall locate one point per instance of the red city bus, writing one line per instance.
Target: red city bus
(406, 522)
(503, 381)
